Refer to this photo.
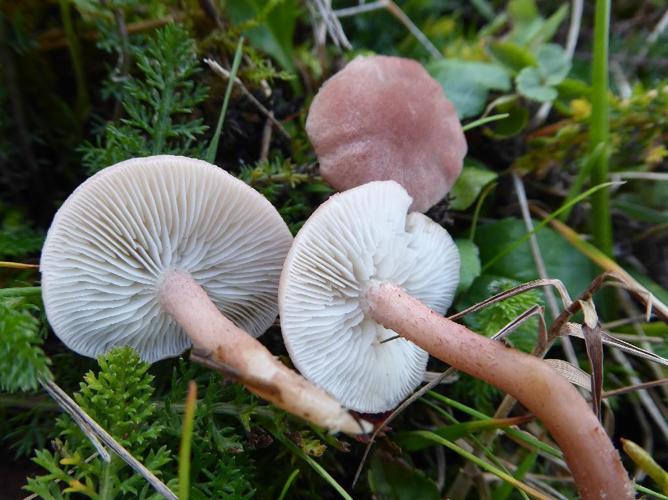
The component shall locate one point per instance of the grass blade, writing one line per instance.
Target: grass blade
(482, 464)
(315, 465)
(213, 146)
(186, 441)
(508, 249)
(288, 483)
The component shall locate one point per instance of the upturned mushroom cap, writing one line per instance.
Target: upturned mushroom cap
(123, 230)
(385, 118)
(357, 238)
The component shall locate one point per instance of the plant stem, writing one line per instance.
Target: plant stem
(599, 128)
(83, 102)
(186, 441)
(213, 146)
(21, 291)
(107, 482)
(593, 461)
(483, 121)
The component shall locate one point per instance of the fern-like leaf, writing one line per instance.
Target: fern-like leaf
(22, 360)
(158, 104)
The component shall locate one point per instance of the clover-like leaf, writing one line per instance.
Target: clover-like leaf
(553, 63)
(530, 84)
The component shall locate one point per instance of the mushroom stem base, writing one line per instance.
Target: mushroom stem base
(591, 457)
(252, 363)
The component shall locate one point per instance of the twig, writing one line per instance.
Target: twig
(225, 75)
(78, 415)
(636, 387)
(332, 23)
(622, 82)
(643, 395)
(266, 137)
(631, 310)
(646, 176)
(360, 9)
(653, 37)
(415, 31)
(55, 39)
(396, 11)
(94, 431)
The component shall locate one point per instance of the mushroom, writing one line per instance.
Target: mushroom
(163, 252)
(385, 118)
(347, 284)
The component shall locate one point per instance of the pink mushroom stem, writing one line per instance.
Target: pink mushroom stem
(591, 457)
(258, 369)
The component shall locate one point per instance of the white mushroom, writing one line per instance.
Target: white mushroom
(149, 252)
(359, 267)
(326, 326)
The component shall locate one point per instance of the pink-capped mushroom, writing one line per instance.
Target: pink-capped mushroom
(386, 118)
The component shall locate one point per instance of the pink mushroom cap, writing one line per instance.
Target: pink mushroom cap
(385, 118)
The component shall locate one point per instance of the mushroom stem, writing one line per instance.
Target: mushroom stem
(187, 302)
(591, 457)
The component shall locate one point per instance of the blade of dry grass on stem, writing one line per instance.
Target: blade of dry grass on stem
(575, 330)
(72, 408)
(603, 261)
(591, 330)
(540, 264)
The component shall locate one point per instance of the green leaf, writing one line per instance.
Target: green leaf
(514, 123)
(570, 88)
(473, 179)
(551, 25)
(272, 26)
(469, 256)
(415, 441)
(635, 206)
(390, 478)
(530, 84)
(158, 103)
(522, 11)
(22, 360)
(553, 64)
(466, 83)
(511, 55)
(562, 261)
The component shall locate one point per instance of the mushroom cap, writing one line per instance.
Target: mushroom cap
(385, 118)
(122, 231)
(356, 239)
